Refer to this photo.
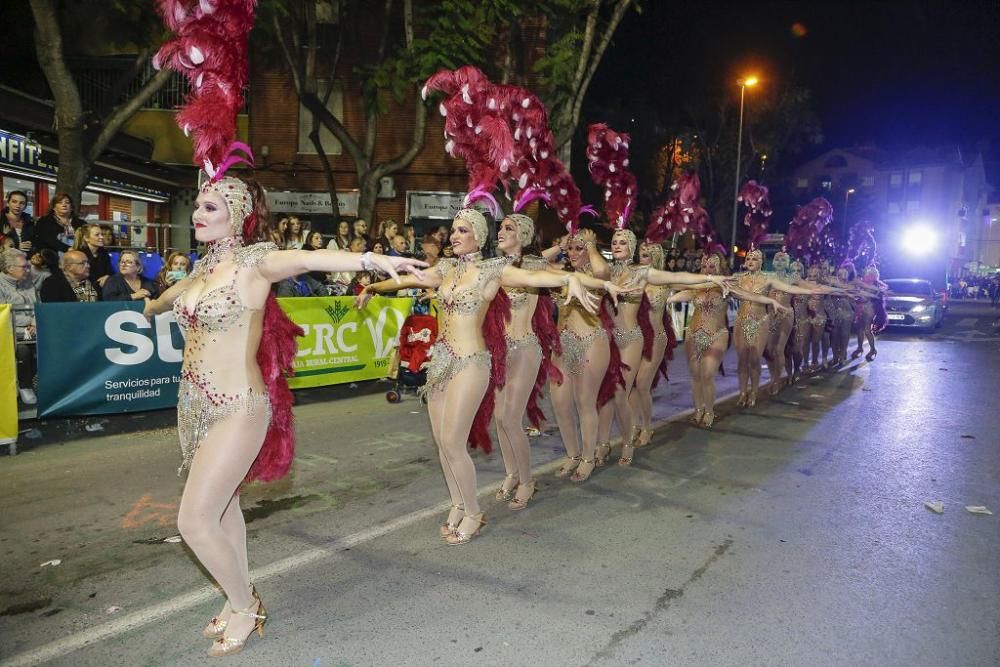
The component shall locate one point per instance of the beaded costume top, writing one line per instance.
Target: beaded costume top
(623, 273)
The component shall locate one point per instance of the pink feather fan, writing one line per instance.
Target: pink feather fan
(608, 163)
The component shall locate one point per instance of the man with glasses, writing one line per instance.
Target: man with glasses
(17, 289)
(72, 283)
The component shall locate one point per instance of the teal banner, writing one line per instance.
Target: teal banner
(105, 358)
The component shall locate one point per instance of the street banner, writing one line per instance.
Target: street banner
(8, 378)
(342, 343)
(105, 358)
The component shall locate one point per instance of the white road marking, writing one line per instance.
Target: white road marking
(133, 621)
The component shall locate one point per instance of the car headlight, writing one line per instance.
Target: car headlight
(919, 308)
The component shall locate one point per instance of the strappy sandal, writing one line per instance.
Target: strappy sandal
(224, 646)
(505, 493)
(464, 537)
(217, 627)
(587, 465)
(602, 454)
(645, 435)
(449, 527)
(520, 501)
(571, 464)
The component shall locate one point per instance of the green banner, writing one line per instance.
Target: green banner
(342, 343)
(101, 358)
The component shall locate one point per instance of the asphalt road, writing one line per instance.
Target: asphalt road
(794, 533)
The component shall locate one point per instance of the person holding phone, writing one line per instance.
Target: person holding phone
(177, 267)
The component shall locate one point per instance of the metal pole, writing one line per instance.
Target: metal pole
(736, 186)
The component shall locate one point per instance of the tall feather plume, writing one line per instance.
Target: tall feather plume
(209, 48)
(805, 239)
(608, 163)
(758, 210)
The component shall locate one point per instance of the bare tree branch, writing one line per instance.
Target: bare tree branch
(113, 122)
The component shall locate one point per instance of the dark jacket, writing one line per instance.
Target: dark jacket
(47, 231)
(27, 228)
(100, 263)
(56, 289)
(116, 289)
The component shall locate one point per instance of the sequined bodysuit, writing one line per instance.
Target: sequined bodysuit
(658, 296)
(463, 306)
(578, 330)
(627, 329)
(709, 307)
(520, 335)
(751, 317)
(221, 332)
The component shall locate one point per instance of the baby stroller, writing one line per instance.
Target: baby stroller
(418, 334)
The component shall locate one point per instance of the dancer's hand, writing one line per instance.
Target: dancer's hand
(781, 308)
(615, 291)
(587, 236)
(147, 310)
(362, 298)
(395, 265)
(576, 290)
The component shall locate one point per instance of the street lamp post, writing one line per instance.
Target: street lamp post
(744, 83)
(847, 201)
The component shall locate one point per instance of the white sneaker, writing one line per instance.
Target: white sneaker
(27, 396)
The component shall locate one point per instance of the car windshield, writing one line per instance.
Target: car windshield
(915, 287)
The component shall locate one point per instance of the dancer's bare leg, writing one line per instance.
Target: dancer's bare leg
(631, 357)
(564, 405)
(595, 365)
(697, 382)
(742, 363)
(754, 351)
(512, 402)
(710, 362)
(436, 412)
(460, 399)
(641, 398)
(219, 467)
(776, 358)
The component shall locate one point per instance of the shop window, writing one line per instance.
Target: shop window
(335, 105)
(896, 179)
(867, 181)
(915, 178)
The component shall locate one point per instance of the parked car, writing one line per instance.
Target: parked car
(913, 303)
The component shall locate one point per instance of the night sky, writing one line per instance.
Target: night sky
(890, 73)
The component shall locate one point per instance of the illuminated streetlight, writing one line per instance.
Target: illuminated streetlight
(744, 83)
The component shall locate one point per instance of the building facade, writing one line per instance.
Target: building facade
(934, 188)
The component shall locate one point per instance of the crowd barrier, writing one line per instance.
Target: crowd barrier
(101, 358)
(105, 358)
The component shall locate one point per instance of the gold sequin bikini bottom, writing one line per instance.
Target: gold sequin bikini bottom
(445, 365)
(574, 347)
(528, 341)
(196, 414)
(751, 327)
(702, 340)
(777, 318)
(628, 336)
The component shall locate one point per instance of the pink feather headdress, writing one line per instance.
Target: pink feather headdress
(608, 162)
(808, 234)
(502, 132)
(209, 48)
(682, 213)
(754, 197)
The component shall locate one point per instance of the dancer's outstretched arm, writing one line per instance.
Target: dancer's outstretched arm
(515, 277)
(807, 289)
(758, 298)
(659, 277)
(282, 264)
(427, 280)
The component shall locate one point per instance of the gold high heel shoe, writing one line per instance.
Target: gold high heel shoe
(520, 501)
(505, 492)
(645, 435)
(464, 537)
(708, 420)
(569, 466)
(217, 627)
(449, 526)
(587, 467)
(224, 646)
(698, 415)
(602, 454)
